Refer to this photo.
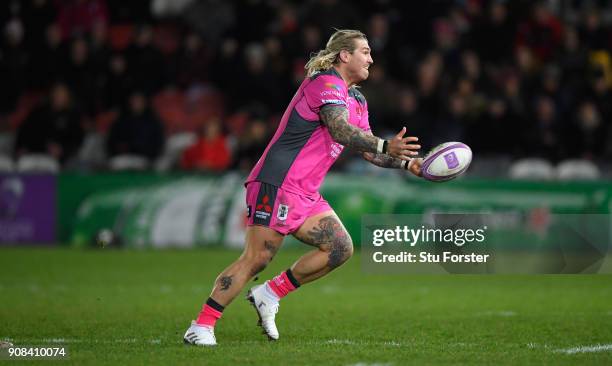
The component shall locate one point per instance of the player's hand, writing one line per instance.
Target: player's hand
(403, 148)
(414, 166)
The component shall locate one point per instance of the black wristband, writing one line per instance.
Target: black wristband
(384, 149)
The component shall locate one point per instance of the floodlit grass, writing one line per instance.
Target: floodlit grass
(132, 307)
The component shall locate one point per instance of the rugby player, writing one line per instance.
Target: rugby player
(327, 114)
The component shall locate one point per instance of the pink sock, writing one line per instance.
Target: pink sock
(283, 284)
(211, 312)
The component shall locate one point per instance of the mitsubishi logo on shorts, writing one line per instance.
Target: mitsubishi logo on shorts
(264, 204)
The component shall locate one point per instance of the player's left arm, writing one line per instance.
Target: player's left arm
(386, 161)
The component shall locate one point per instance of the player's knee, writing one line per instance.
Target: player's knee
(341, 250)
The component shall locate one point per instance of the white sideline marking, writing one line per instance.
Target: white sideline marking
(504, 313)
(90, 340)
(586, 349)
(533, 345)
(392, 343)
(333, 341)
(340, 341)
(361, 343)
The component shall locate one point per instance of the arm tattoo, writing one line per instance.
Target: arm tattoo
(383, 160)
(336, 120)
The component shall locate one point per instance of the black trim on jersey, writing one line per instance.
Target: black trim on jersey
(355, 93)
(283, 152)
(264, 207)
(331, 71)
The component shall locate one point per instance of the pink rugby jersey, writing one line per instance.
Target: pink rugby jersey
(302, 151)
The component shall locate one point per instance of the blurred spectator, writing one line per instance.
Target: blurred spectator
(573, 60)
(258, 83)
(137, 131)
(451, 125)
(381, 94)
(55, 128)
(99, 50)
(80, 75)
(543, 138)
(37, 16)
(446, 39)
(252, 144)
(494, 34)
(592, 33)
(226, 62)
(542, 33)
(116, 83)
(77, 17)
(210, 152)
(48, 61)
(326, 14)
(145, 63)
(193, 61)
(445, 69)
(407, 113)
(121, 11)
(491, 133)
(14, 58)
(428, 84)
(588, 132)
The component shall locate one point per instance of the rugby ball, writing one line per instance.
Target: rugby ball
(446, 161)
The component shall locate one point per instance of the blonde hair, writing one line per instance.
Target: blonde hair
(342, 39)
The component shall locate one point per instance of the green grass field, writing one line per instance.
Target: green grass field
(127, 307)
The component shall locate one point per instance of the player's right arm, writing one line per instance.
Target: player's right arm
(335, 117)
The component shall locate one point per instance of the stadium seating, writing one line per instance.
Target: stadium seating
(532, 169)
(575, 169)
(489, 167)
(38, 163)
(6, 143)
(175, 145)
(128, 162)
(6, 164)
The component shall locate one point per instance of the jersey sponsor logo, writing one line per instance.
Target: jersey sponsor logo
(333, 86)
(335, 150)
(332, 101)
(331, 92)
(283, 211)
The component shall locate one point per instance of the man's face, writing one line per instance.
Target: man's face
(360, 60)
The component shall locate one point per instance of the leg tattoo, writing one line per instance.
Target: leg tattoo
(330, 236)
(270, 247)
(271, 250)
(226, 282)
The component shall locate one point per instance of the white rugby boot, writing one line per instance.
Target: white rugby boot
(266, 305)
(200, 335)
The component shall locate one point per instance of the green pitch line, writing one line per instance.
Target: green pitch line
(127, 307)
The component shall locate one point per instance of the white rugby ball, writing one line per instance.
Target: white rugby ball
(446, 161)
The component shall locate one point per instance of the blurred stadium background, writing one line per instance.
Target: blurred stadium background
(134, 123)
(139, 119)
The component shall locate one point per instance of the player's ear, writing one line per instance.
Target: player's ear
(344, 56)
